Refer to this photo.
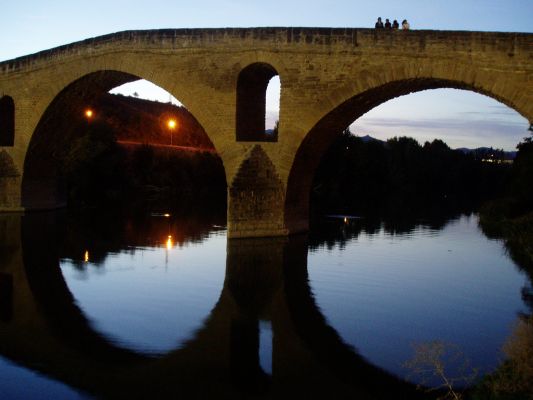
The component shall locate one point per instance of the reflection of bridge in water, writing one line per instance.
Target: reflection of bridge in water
(43, 329)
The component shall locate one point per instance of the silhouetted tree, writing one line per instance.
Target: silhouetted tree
(369, 175)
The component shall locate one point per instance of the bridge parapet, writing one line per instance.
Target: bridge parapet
(318, 38)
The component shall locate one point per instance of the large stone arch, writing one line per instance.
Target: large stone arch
(373, 89)
(41, 183)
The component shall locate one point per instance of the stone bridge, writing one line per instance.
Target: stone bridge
(329, 77)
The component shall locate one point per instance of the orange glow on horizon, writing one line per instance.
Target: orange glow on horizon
(86, 256)
(169, 242)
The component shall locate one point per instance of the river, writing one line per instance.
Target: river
(114, 306)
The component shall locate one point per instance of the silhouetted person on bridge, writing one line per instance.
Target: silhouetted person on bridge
(395, 24)
(379, 23)
(387, 24)
(405, 25)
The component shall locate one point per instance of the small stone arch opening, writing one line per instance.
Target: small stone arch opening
(7, 121)
(252, 85)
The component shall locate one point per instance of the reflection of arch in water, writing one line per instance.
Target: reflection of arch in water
(41, 262)
(265, 279)
(85, 359)
(323, 341)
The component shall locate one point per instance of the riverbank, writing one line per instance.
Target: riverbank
(511, 219)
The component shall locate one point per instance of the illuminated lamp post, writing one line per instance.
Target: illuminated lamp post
(89, 113)
(171, 125)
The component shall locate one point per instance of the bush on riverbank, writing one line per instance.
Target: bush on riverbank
(99, 171)
(374, 177)
(513, 380)
(511, 218)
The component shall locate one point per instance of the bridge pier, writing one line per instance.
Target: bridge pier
(256, 199)
(10, 184)
(10, 194)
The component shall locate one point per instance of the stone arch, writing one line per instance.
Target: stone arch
(43, 185)
(330, 125)
(252, 84)
(7, 121)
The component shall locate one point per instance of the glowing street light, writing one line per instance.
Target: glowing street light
(172, 124)
(89, 113)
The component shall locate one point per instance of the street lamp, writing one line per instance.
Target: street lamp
(171, 125)
(89, 113)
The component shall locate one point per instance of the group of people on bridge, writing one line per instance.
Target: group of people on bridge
(394, 25)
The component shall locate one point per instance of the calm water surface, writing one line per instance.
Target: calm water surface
(109, 306)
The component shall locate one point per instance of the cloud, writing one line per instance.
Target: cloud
(502, 111)
(445, 123)
(500, 133)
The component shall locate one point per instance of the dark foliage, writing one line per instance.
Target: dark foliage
(145, 121)
(99, 171)
(511, 218)
(370, 176)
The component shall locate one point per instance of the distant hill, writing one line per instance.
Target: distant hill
(145, 121)
(481, 151)
(368, 138)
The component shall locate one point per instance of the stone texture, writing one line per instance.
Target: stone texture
(256, 198)
(329, 77)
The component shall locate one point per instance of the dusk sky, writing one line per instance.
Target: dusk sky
(462, 119)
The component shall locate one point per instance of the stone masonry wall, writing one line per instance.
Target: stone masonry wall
(325, 73)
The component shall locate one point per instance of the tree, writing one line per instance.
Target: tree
(432, 362)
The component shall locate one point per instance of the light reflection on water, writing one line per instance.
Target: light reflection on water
(151, 299)
(380, 286)
(383, 292)
(19, 383)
